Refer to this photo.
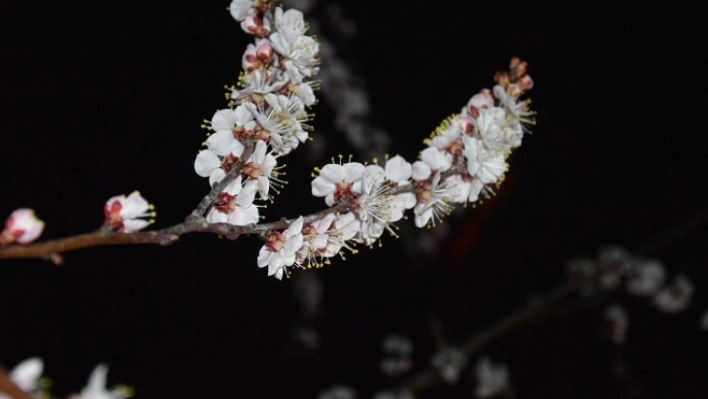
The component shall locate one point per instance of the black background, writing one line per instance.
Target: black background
(103, 98)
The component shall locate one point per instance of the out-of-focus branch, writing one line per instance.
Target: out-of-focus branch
(429, 377)
(548, 306)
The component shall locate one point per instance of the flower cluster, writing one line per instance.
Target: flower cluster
(465, 158)
(615, 267)
(266, 116)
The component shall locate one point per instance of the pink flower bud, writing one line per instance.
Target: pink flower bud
(526, 83)
(264, 52)
(22, 226)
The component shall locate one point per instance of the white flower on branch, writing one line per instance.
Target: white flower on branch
(235, 205)
(338, 182)
(22, 226)
(127, 214)
(261, 170)
(280, 249)
(483, 164)
(222, 153)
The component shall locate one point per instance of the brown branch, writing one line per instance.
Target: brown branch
(51, 249)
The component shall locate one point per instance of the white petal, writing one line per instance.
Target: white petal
(243, 216)
(216, 176)
(294, 228)
(354, 171)
(322, 186)
(134, 206)
(408, 200)
(223, 120)
(206, 162)
(264, 256)
(334, 173)
(421, 171)
(221, 142)
(242, 115)
(397, 169)
(131, 225)
(215, 216)
(292, 245)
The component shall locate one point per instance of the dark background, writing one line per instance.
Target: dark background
(103, 98)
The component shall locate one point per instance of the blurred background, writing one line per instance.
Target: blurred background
(104, 98)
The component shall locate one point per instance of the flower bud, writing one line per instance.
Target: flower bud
(22, 226)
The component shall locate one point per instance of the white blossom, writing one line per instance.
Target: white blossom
(127, 214)
(483, 164)
(261, 170)
(235, 205)
(299, 51)
(281, 248)
(337, 182)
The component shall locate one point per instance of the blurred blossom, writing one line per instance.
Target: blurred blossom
(304, 340)
(338, 392)
(394, 395)
(96, 386)
(647, 278)
(618, 321)
(492, 378)
(676, 297)
(26, 376)
(398, 352)
(613, 263)
(307, 289)
(449, 363)
(703, 322)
